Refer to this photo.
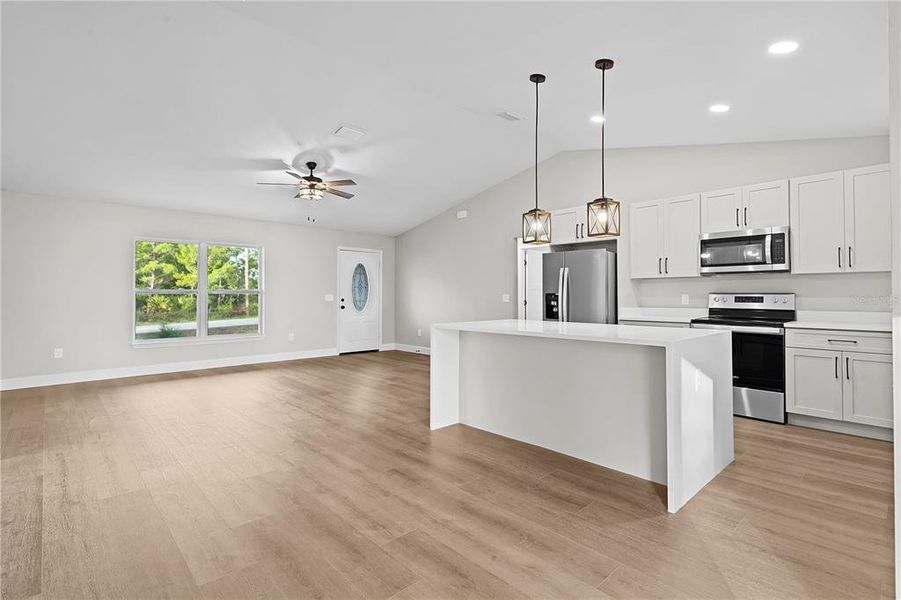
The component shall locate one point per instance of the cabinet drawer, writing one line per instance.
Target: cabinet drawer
(856, 341)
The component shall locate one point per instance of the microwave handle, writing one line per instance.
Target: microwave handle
(768, 249)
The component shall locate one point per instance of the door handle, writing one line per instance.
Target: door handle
(560, 295)
(666, 265)
(565, 303)
(659, 268)
(848, 368)
(850, 266)
(736, 218)
(746, 216)
(836, 367)
(839, 257)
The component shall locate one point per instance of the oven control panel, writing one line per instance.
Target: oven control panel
(755, 301)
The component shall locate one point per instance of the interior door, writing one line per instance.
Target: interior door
(534, 284)
(868, 388)
(720, 210)
(645, 235)
(359, 300)
(868, 223)
(817, 223)
(681, 232)
(765, 204)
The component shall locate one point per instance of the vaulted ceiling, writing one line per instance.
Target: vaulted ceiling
(188, 105)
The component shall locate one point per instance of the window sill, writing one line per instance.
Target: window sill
(169, 343)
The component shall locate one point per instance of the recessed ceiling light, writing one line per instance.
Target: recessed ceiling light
(597, 118)
(783, 47)
(719, 108)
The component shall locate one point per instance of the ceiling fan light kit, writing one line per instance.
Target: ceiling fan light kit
(313, 188)
(603, 213)
(536, 223)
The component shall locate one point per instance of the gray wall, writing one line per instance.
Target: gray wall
(67, 281)
(451, 270)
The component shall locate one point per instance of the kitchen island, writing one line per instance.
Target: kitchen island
(652, 402)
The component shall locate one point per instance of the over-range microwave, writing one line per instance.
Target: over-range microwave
(744, 251)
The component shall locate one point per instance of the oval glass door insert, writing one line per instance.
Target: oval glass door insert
(359, 287)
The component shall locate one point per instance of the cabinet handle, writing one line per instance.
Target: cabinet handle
(848, 368)
(577, 231)
(583, 230)
(746, 216)
(839, 257)
(666, 265)
(836, 367)
(659, 269)
(850, 266)
(736, 218)
(838, 341)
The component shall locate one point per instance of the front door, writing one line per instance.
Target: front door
(359, 300)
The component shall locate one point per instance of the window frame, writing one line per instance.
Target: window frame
(202, 292)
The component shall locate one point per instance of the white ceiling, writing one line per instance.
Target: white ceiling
(188, 105)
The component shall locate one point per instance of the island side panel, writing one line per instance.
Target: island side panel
(444, 400)
(699, 414)
(600, 402)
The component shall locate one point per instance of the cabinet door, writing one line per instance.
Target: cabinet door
(564, 226)
(765, 204)
(645, 240)
(813, 383)
(867, 388)
(721, 210)
(868, 219)
(817, 223)
(681, 229)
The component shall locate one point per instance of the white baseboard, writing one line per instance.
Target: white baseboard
(16, 383)
(386, 347)
(414, 349)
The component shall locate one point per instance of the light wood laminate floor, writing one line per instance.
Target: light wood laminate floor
(320, 478)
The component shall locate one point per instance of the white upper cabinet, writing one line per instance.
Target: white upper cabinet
(868, 224)
(664, 237)
(721, 210)
(568, 225)
(646, 237)
(818, 223)
(681, 229)
(765, 205)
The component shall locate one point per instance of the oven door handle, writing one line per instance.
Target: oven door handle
(741, 328)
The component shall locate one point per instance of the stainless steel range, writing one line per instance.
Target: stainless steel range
(758, 350)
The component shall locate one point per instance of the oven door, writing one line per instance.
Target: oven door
(758, 370)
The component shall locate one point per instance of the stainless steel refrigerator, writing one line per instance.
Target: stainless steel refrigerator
(580, 286)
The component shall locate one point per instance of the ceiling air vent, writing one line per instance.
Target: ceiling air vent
(349, 132)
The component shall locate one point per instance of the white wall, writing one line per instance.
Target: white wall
(451, 270)
(67, 281)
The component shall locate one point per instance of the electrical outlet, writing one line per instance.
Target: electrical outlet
(291, 337)
(329, 297)
(57, 353)
(419, 333)
(684, 298)
(505, 297)
(462, 214)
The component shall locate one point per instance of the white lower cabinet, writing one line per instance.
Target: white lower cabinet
(843, 385)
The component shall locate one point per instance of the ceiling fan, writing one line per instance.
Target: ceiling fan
(310, 187)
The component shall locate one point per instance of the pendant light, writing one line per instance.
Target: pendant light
(603, 212)
(536, 224)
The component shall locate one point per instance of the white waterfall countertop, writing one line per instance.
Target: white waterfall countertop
(653, 402)
(585, 332)
(680, 314)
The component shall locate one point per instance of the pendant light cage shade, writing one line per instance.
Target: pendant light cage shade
(536, 227)
(603, 217)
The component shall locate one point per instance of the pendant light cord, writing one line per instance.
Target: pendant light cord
(536, 145)
(603, 123)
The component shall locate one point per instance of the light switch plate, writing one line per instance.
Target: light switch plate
(419, 333)
(505, 298)
(291, 337)
(684, 298)
(57, 353)
(329, 297)
(462, 214)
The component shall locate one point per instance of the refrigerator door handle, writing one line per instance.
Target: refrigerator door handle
(560, 295)
(565, 303)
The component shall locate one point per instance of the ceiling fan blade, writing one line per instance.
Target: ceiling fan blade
(338, 182)
(338, 193)
(291, 184)
(293, 174)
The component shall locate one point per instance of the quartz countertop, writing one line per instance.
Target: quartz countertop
(842, 321)
(587, 332)
(661, 315)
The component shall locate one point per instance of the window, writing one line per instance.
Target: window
(185, 290)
